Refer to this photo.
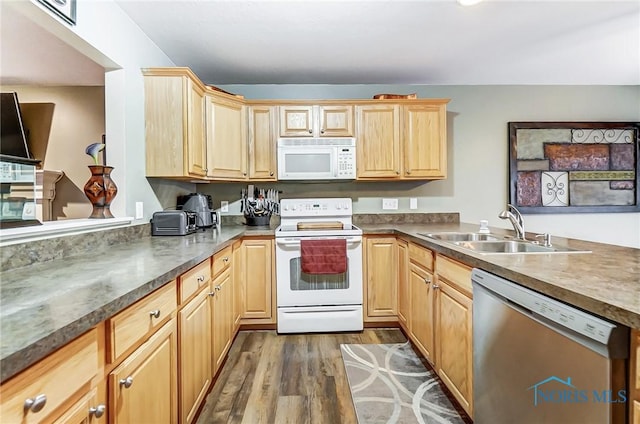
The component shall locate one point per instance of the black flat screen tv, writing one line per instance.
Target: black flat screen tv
(13, 139)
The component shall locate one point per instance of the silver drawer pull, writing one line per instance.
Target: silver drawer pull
(98, 411)
(35, 404)
(126, 382)
(155, 313)
(225, 259)
(201, 278)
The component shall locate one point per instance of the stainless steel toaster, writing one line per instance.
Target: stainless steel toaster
(173, 223)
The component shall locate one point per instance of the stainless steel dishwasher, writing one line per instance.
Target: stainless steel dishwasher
(537, 360)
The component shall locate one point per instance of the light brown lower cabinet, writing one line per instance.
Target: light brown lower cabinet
(454, 330)
(238, 285)
(422, 310)
(404, 297)
(194, 369)
(143, 388)
(439, 314)
(634, 378)
(87, 410)
(222, 323)
(52, 383)
(259, 279)
(380, 279)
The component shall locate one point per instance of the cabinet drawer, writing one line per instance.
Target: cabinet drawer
(191, 281)
(454, 272)
(57, 377)
(143, 317)
(221, 260)
(421, 256)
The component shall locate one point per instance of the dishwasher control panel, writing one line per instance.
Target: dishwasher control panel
(551, 309)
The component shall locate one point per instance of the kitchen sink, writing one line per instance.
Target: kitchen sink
(513, 247)
(458, 236)
(496, 244)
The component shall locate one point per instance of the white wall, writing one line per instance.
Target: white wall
(104, 33)
(477, 118)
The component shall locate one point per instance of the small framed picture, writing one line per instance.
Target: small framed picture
(66, 9)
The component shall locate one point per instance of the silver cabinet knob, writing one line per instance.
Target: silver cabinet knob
(408, 171)
(126, 382)
(98, 411)
(218, 288)
(155, 313)
(322, 131)
(35, 404)
(435, 286)
(310, 131)
(212, 293)
(271, 174)
(225, 259)
(244, 174)
(397, 172)
(201, 278)
(427, 280)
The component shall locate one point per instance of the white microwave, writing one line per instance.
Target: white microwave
(317, 158)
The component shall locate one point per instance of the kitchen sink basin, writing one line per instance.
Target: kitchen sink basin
(513, 247)
(457, 236)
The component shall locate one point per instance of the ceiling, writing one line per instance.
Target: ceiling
(436, 42)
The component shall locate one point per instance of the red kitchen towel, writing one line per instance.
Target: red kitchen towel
(323, 256)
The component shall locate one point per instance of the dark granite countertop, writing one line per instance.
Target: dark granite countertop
(605, 282)
(46, 305)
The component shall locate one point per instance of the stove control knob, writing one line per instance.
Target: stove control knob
(338, 206)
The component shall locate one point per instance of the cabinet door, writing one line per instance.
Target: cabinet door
(378, 152)
(88, 410)
(222, 317)
(226, 139)
(381, 278)
(262, 143)
(238, 284)
(296, 121)
(258, 278)
(196, 141)
(425, 141)
(336, 121)
(143, 388)
(454, 343)
(404, 306)
(634, 377)
(422, 310)
(194, 331)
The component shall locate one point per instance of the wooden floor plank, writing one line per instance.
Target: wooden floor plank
(296, 378)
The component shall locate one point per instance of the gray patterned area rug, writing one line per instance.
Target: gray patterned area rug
(390, 385)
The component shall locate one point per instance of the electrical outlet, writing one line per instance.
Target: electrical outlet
(413, 203)
(224, 206)
(389, 203)
(139, 210)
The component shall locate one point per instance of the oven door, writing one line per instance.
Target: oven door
(307, 163)
(295, 288)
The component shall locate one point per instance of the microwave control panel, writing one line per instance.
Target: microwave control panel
(346, 162)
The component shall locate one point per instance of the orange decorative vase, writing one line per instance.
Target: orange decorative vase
(100, 190)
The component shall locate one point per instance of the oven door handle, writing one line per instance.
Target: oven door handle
(296, 242)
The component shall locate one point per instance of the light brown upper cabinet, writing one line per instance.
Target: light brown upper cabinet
(402, 140)
(226, 125)
(262, 142)
(378, 141)
(174, 123)
(316, 120)
(425, 141)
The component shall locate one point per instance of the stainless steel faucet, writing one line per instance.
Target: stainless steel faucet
(514, 215)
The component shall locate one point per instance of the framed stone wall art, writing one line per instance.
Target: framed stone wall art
(573, 167)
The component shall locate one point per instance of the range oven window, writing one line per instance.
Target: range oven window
(300, 281)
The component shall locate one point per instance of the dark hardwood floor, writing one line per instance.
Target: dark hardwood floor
(270, 378)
